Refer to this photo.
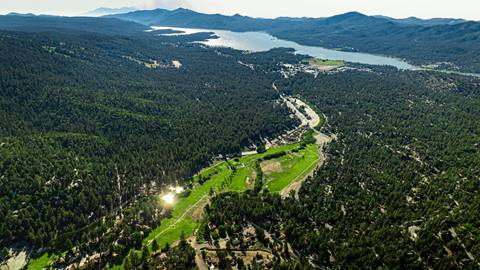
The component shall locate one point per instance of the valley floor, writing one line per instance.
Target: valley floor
(282, 169)
(284, 173)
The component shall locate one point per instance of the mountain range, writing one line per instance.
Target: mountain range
(189, 17)
(109, 11)
(424, 22)
(440, 43)
(45, 23)
(121, 148)
(451, 43)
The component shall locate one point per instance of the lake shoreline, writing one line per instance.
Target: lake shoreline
(262, 41)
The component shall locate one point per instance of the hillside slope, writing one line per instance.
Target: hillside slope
(89, 123)
(32, 23)
(448, 45)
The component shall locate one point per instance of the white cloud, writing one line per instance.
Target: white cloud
(168, 4)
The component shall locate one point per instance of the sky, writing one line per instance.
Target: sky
(467, 9)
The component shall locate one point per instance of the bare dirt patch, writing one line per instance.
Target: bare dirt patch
(16, 262)
(177, 64)
(294, 186)
(270, 166)
(197, 212)
(248, 256)
(250, 180)
(321, 140)
(413, 232)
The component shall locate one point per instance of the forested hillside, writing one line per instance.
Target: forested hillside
(446, 43)
(400, 187)
(425, 22)
(98, 118)
(32, 23)
(89, 122)
(448, 46)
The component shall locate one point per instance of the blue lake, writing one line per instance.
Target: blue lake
(259, 41)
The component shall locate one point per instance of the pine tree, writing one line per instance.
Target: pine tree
(155, 245)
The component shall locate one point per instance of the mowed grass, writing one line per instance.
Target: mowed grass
(41, 262)
(247, 160)
(185, 226)
(182, 222)
(322, 62)
(170, 229)
(239, 182)
(295, 166)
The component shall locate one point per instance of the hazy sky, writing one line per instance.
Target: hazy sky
(469, 9)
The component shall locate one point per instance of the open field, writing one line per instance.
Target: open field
(171, 228)
(281, 166)
(325, 65)
(41, 262)
(221, 177)
(321, 62)
(239, 182)
(294, 166)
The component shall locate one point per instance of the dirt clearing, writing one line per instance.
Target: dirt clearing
(270, 166)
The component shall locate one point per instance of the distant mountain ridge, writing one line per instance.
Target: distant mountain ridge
(102, 11)
(438, 43)
(39, 23)
(19, 14)
(425, 22)
(187, 18)
(447, 42)
(190, 17)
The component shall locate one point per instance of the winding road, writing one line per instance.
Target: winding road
(312, 119)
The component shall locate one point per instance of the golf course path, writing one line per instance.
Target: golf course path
(189, 210)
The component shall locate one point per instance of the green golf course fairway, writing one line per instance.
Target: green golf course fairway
(41, 262)
(296, 166)
(295, 162)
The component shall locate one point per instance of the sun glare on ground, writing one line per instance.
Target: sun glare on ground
(168, 198)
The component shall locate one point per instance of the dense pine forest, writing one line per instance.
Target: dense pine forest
(89, 122)
(400, 187)
(95, 123)
(449, 43)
